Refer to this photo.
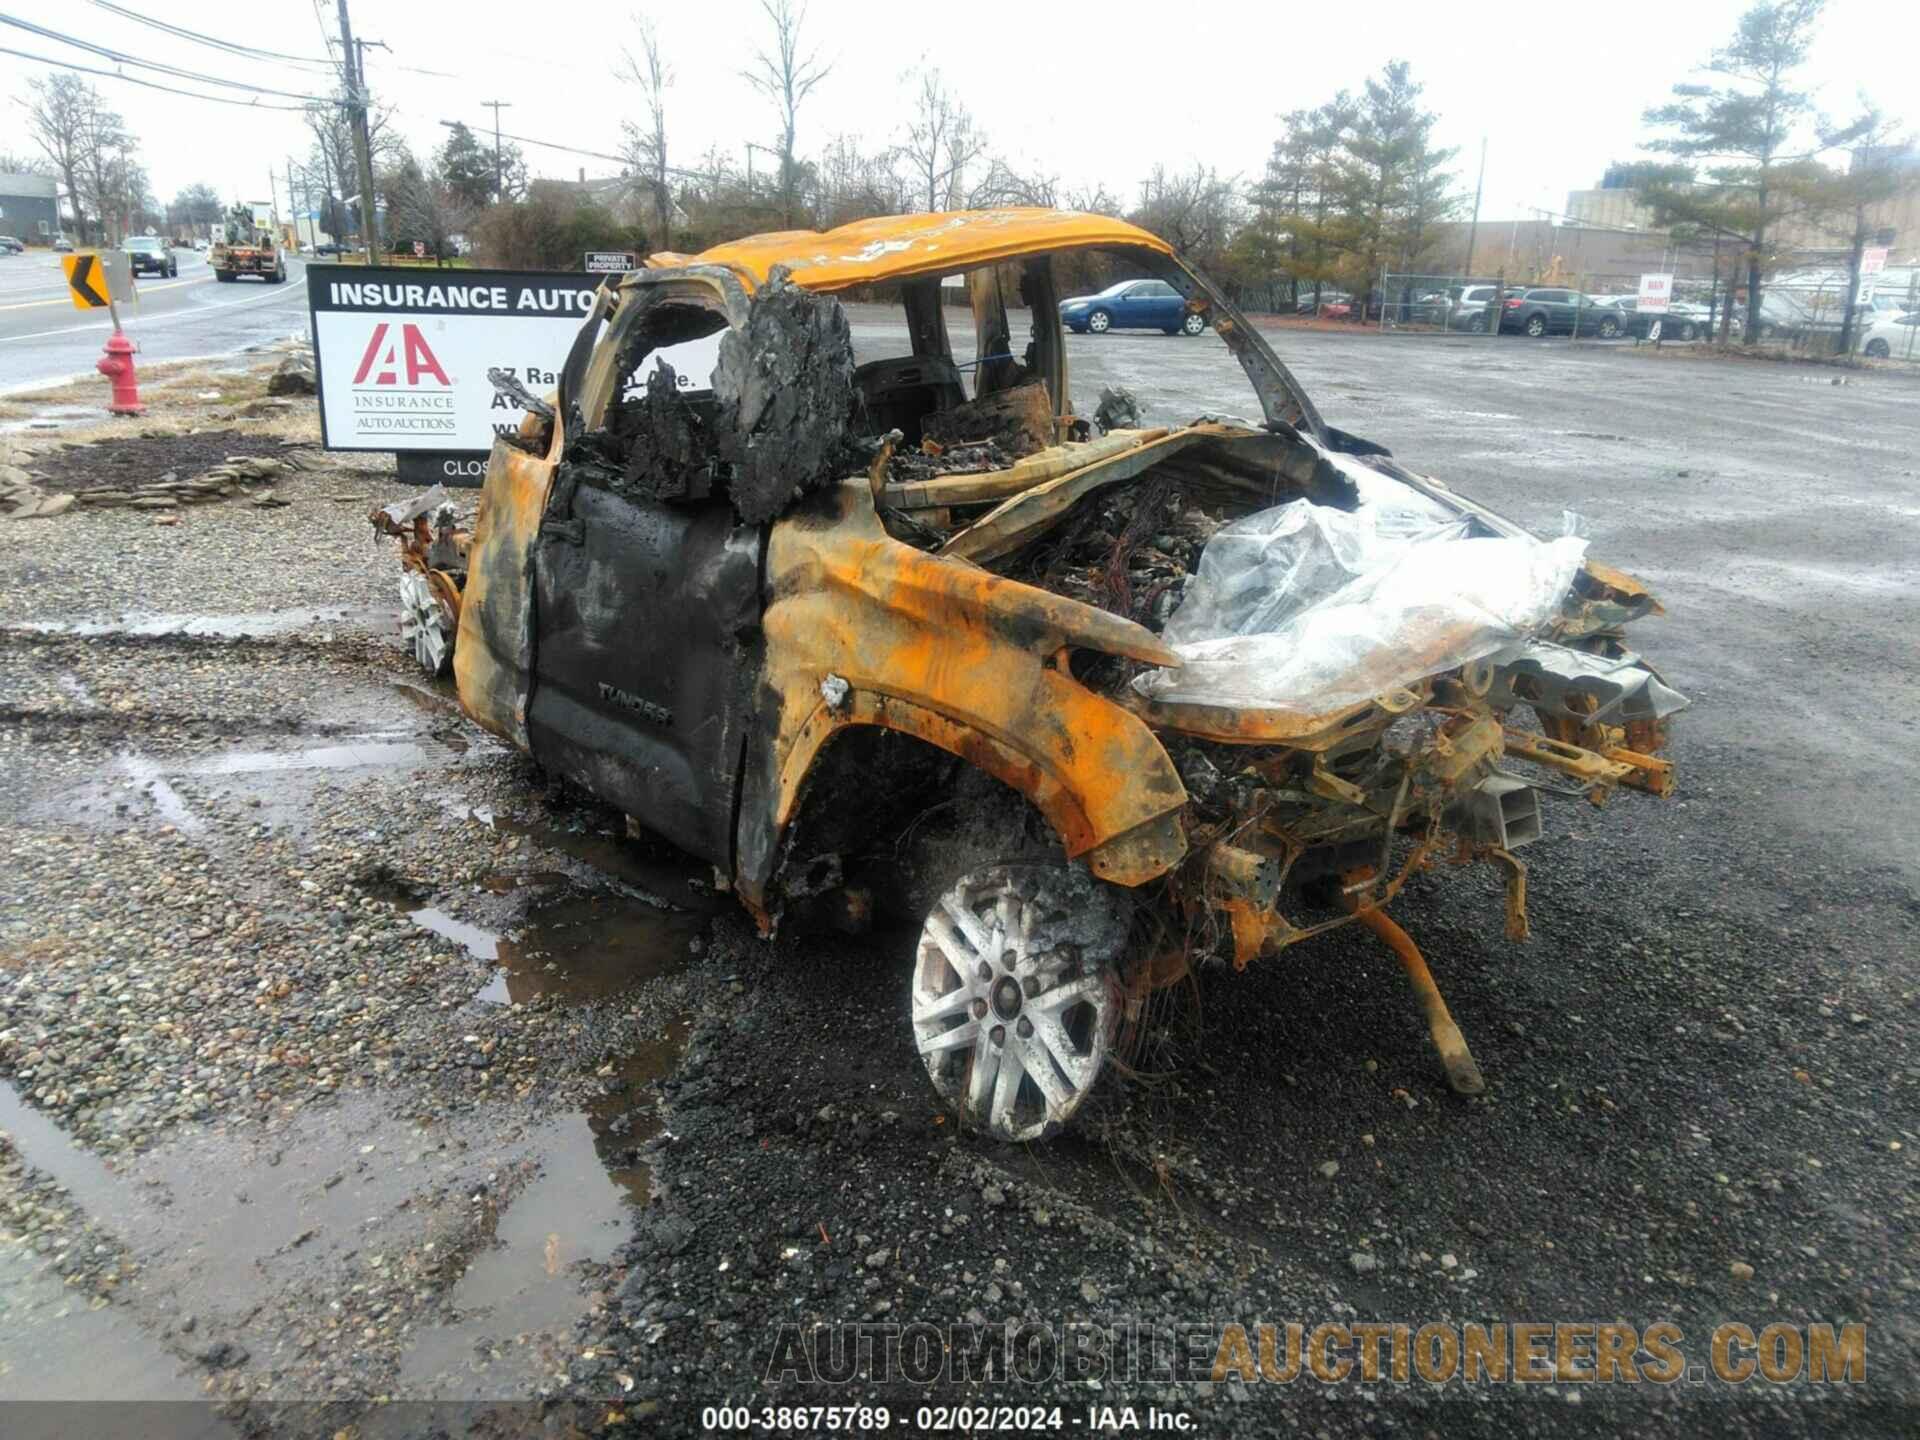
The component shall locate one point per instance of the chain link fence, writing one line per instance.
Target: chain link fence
(1440, 304)
(1800, 311)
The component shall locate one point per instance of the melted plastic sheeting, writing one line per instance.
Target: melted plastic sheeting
(1261, 571)
(1309, 608)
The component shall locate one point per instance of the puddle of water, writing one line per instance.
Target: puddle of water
(628, 1116)
(54, 417)
(576, 946)
(280, 798)
(257, 624)
(55, 1347)
(586, 946)
(224, 1225)
(653, 868)
(49, 1149)
(482, 944)
(362, 755)
(514, 1307)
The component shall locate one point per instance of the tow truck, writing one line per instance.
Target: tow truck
(245, 247)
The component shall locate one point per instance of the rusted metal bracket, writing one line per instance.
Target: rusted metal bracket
(1463, 1072)
(1648, 772)
(1517, 926)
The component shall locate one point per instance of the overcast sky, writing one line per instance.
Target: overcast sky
(1087, 91)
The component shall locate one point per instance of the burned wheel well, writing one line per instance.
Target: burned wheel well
(897, 817)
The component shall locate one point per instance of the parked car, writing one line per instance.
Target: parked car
(1680, 321)
(1553, 311)
(1308, 302)
(331, 247)
(151, 254)
(1133, 305)
(854, 683)
(63, 246)
(10, 246)
(1467, 307)
(1895, 336)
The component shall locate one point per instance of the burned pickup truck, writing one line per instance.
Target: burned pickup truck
(1095, 700)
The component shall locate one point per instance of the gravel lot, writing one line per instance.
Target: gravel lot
(345, 1059)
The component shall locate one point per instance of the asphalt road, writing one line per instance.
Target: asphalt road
(43, 338)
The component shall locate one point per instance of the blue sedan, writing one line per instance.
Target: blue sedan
(1132, 305)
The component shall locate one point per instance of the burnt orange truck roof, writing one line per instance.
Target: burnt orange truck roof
(899, 247)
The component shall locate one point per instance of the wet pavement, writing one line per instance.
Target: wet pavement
(493, 1216)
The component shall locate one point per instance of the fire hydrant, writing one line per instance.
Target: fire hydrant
(117, 366)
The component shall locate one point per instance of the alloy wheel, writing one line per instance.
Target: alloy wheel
(424, 623)
(1014, 998)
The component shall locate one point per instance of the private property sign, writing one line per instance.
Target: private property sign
(1656, 291)
(402, 355)
(611, 262)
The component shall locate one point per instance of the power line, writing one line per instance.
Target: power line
(175, 71)
(150, 84)
(229, 46)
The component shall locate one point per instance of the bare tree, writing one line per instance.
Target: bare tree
(786, 76)
(646, 143)
(1196, 212)
(1095, 201)
(57, 120)
(856, 185)
(107, 166)
(1004, 185)
(333, 141)
(941, 141)
(20, 163)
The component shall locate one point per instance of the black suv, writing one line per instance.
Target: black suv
(151, 253)
(1557, 312)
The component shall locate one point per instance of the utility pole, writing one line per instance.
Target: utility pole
(357, 102)
(326, 195)
(1473, 230)
(497, 106)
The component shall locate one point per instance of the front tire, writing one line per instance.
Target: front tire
(1099, 322)
(1014, 996)
(1609, 328)
(1879, 350)
(1536, 326)
(1193, 324)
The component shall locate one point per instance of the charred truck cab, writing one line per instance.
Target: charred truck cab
(1173, 691)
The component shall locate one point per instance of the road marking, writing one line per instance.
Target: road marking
(278, 292)
(30, 304)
